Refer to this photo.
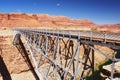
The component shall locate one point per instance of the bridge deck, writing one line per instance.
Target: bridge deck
(90, 34)
(84, 36)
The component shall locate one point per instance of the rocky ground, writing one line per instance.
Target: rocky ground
(22, 76)
(12, 59)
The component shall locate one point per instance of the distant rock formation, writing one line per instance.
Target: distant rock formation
(3, 16)
(38, 20)
(44, 20)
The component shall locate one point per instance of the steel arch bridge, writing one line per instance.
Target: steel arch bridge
(57, 53)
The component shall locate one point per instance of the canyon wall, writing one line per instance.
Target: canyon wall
(13, 20)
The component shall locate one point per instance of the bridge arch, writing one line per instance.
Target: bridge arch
(18, 40)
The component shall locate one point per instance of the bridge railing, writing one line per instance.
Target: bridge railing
(110, 36)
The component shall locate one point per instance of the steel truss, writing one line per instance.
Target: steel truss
(57, 56)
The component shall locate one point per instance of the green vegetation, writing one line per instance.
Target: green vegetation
(97, 72)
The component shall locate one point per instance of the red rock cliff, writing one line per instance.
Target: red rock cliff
(30, 20)
(39, 20)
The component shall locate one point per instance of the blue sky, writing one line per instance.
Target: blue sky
(98, 11)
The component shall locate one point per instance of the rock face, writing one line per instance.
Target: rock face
(106, 71)
(108, 27)
(117, 67)
(30, 20)
(39, 20)
(11, 56)
(3, 16)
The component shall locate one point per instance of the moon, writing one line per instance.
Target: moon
(58, 4)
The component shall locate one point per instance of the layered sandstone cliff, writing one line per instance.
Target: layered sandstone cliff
(40, 20)
(44, 20)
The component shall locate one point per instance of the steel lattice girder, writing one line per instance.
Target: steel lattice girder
(64, 60)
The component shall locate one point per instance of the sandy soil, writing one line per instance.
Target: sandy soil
(22, 76)
(6, 32)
